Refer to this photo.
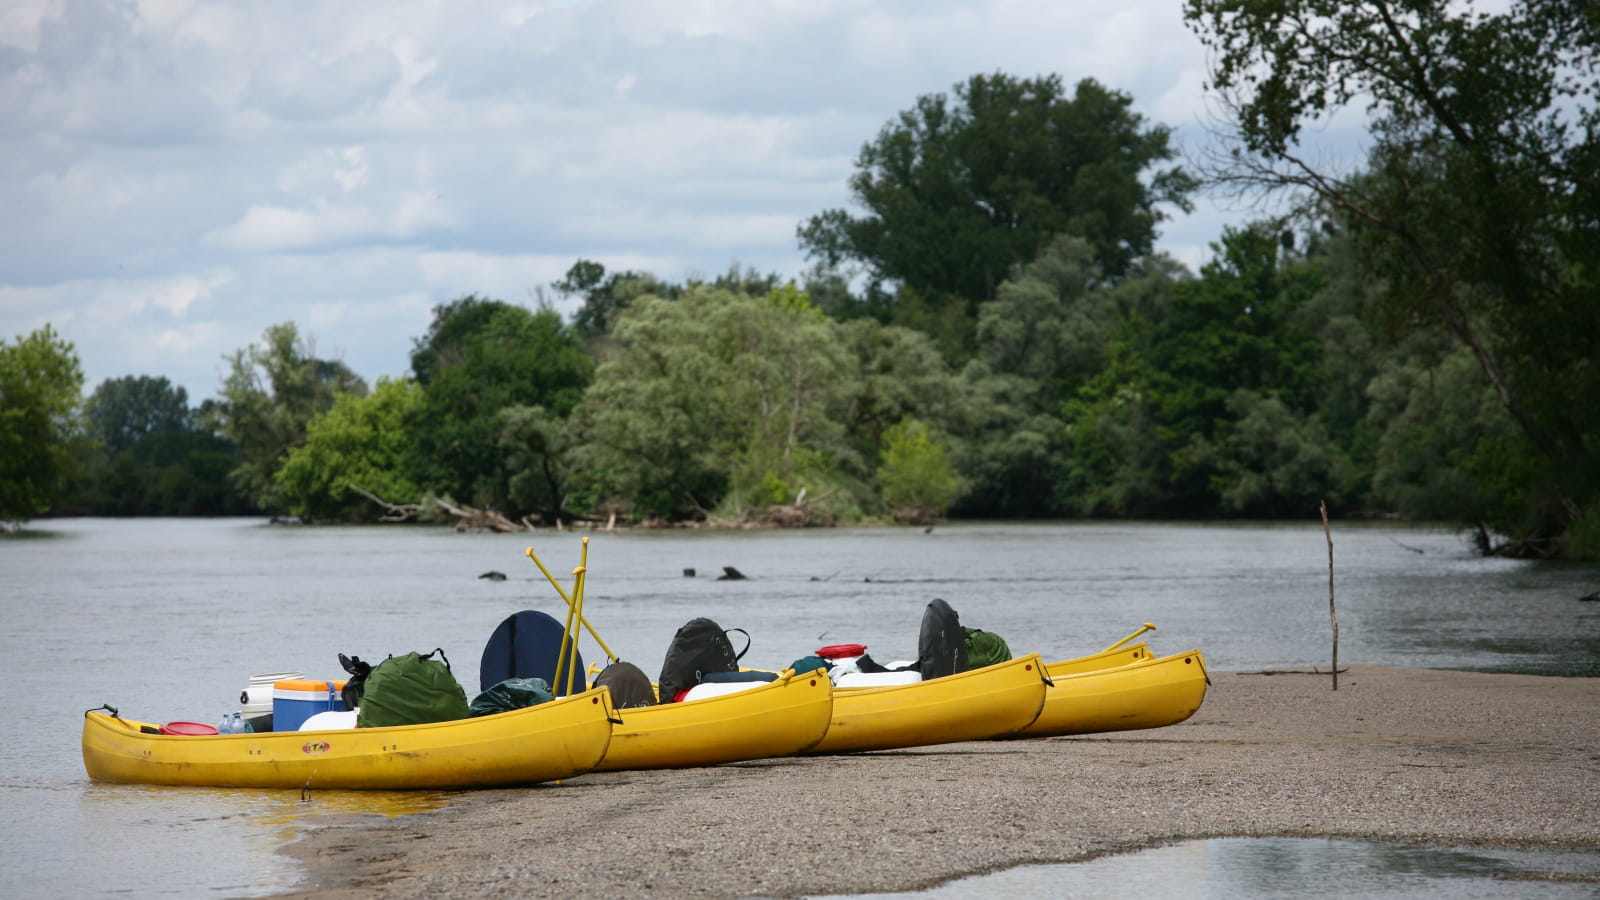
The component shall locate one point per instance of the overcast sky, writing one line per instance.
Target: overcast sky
(179, 175)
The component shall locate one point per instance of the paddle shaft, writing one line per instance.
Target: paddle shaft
(574, 611)
(568, 600)
(1148, 626)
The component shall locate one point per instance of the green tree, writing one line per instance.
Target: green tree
(1043, 337)
(1274, 460)
(605, 296)
(959, 190)
(539, 448)
(915, 475)
(123, 410)
(1114, 461)
(362, 441)
(1157, 431)
(41, 432)
(1477, 210)
(716, 392)
(269, 396)
(1438, 416)
(150, 459)
(1047, 324)
(900, 374)
(479, 357)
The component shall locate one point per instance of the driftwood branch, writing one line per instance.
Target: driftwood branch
(471, 519)
(802, 513)
(467, 517)
(398, 512)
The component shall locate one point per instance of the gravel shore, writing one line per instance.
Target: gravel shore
(1409, 755)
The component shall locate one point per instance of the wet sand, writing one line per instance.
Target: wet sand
(1408, 755)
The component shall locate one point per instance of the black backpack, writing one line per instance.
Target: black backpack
(942, 645)
(700, 648)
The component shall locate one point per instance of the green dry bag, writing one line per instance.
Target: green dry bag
(413, 689)
(985, 648)
(511, 694)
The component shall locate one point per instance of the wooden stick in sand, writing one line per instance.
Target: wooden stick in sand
(1332, 616)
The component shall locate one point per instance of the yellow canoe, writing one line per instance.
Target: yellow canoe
(779, 718)
(969, 706)
(551, 741)
(1105, 659)
(1149, 693)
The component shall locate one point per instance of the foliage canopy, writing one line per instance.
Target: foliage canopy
(960, 189)
(269, 396)
(41, 430)
(1478, 211)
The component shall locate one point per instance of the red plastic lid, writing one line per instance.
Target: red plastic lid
(188, 728)
(840, 650)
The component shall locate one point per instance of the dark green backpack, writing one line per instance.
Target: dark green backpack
(985, 648)
(413, 689)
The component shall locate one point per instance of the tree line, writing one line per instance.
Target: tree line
(991, 334)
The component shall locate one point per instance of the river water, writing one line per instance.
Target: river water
(167, 619)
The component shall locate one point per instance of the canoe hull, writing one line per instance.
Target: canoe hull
(970, 706)
(1152, 693)
(781, 718)
(548, 742)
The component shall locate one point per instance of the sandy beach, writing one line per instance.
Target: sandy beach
(1409, 755)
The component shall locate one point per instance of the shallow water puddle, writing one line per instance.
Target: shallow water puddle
(1261, 868)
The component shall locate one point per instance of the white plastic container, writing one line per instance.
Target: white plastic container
(330, 720)
(256, 700)
(876, 679)
(717, 689)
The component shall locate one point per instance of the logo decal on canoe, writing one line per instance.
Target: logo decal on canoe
(314, 747)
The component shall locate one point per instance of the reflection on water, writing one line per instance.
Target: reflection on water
(1271, 868)
(267, 807)
(144, 840)
(168, 619)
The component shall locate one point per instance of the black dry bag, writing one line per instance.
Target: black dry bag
(942, 646)
(630, 686)
(700, 648)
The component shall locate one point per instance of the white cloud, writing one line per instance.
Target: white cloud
(178, 294)
(277, 228)
(188, 338)
(21, 20)
(178, 175)
(505, 277)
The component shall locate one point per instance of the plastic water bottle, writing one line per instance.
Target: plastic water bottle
(236, 724)
(226, 725)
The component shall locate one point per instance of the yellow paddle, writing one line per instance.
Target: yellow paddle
(579, 575)
(574, 612)
(581, 620)
(1148, 626)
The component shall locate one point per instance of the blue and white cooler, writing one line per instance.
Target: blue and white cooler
(297, 699)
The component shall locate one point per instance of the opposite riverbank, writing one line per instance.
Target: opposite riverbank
(1408, 755)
